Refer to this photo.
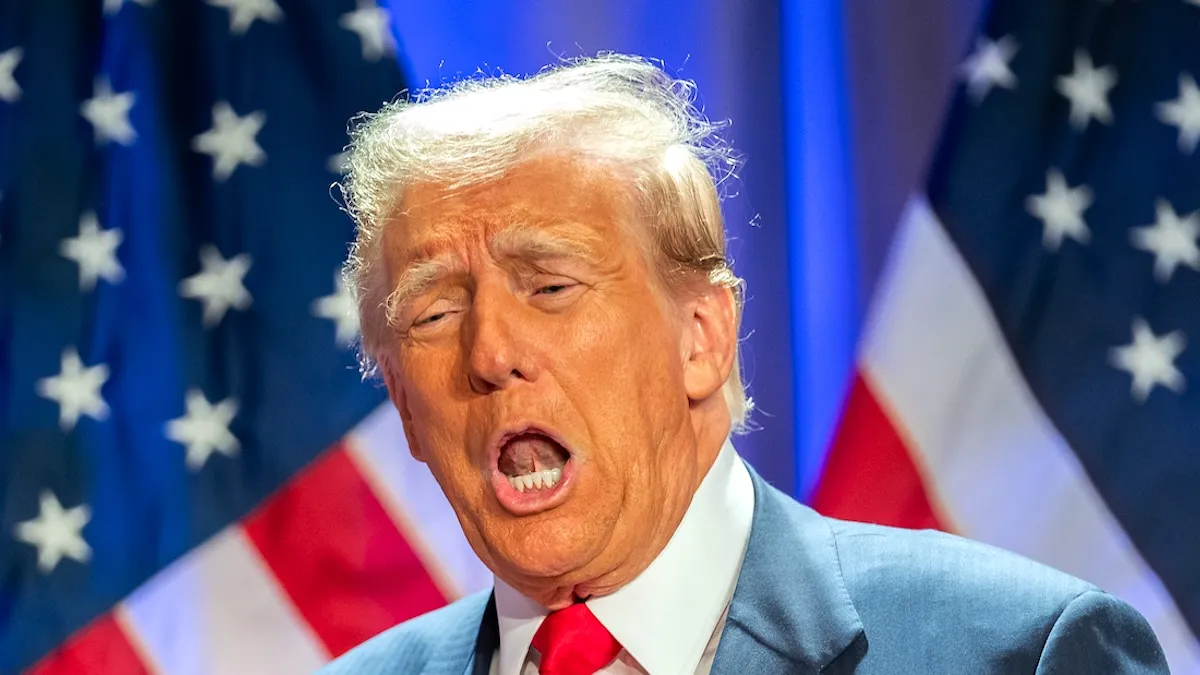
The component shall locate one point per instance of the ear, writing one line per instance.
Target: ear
(710, 342)
(400, 400)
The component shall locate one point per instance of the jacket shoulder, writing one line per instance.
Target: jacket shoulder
(872, 556)
(426, 643)
(989, 599)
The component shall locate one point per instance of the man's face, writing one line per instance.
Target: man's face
(534, 344)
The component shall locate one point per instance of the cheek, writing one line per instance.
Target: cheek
(428, 371)
(621, 327)
(438, 412)
(620, 357)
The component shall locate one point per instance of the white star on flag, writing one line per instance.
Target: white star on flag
(230, 141)
(242, 13)
(1171, 239)
(76, 389)
(57, 533)
(987, 66)
(339, 308)
(1061, 209)
(372, 24)
(204, 429)
(113, 7)
(10, 91)
(95, 251)
(218, 285)
(109, 114)
(1184, 112)
(1087, 89)
(1150, 359)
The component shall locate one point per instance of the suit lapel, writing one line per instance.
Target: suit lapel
(487, 642)
(457, 645)
(790, 611)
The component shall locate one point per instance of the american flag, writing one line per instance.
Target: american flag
(193, 477)
(1030, 372)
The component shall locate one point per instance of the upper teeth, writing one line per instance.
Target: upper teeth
(539, 480)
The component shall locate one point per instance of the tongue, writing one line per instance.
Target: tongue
(531, 452)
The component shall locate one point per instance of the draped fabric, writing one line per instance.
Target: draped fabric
(1024, 377)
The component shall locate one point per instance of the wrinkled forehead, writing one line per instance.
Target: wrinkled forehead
(549, 198)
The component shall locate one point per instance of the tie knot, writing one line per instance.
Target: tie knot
(572, 641)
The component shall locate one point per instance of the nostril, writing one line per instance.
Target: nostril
(482, 385)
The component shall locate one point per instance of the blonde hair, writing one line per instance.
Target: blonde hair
(624, 111)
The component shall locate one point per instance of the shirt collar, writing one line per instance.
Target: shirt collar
(665, 617)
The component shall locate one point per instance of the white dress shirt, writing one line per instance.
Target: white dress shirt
(669, 618)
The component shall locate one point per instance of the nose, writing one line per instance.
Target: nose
(498, 355)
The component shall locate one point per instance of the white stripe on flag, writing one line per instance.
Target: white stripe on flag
(220, 610)
(415, 501)
(997, 464)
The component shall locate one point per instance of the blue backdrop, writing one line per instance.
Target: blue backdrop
(833, 104)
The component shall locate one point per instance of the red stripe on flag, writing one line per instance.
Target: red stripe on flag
(101, 647)
(338, 555)
(870, 474)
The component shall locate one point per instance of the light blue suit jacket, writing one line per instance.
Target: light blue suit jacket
(818, 595)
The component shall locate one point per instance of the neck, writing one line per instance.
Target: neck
(711, 425)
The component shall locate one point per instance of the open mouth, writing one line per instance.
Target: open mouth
(532, 461)
(532, 470)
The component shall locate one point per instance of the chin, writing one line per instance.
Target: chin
(547, 561)
(546, 556)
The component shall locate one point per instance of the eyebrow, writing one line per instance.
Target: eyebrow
(517, 243)
(415, 280)
(523, 243)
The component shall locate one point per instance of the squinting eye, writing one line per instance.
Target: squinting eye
(552, 289)
(430, 319)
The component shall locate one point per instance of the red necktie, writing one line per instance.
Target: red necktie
(572, 641)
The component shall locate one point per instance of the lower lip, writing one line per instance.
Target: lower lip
(532, 501)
